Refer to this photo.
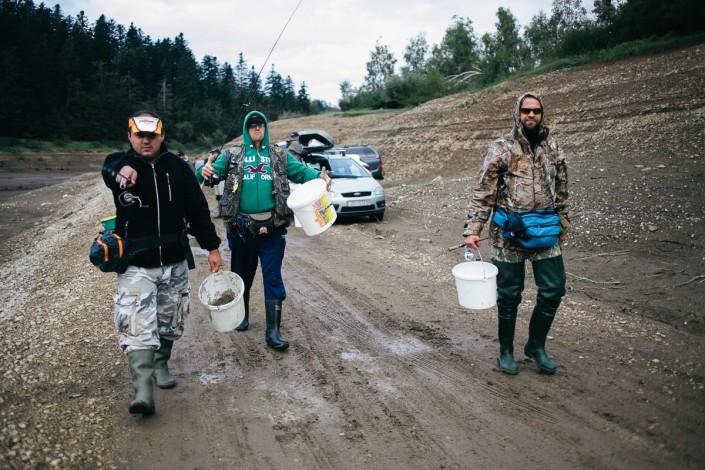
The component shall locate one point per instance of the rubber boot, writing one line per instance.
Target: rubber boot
(142, 367)
(550, 280)
(245, 324)
(507, 315)
(510, 284)
(541, 320)
(162, 375)
(273, 310)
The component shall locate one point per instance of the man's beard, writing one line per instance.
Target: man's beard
(532, 133)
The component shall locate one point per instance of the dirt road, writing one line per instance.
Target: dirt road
(387, 371)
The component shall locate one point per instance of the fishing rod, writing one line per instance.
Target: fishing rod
(246, 103)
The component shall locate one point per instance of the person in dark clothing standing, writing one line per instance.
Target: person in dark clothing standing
(255, 213)
(156, 196)
(523, 173)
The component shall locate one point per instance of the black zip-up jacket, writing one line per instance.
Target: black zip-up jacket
(165, 199)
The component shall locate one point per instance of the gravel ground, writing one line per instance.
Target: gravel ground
(629, 333)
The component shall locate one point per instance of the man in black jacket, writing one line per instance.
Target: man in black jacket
(156, 196)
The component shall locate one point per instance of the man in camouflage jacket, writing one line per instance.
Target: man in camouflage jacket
(523, 171)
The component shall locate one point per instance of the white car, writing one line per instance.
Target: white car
(354, 192)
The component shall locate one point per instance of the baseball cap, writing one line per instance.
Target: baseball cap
(255, 119)
(145, 124)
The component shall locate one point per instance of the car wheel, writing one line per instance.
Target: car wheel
(379, 217)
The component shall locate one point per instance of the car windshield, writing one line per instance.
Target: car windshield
(345, 168)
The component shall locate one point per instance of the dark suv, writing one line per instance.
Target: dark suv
(367, 154)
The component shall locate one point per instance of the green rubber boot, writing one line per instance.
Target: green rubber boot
(550, 280)
(541, 320)
(510, 284)
(142, 367)
(507, 315)
(162, 375)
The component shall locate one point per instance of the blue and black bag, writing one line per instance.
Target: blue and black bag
(109, 253)
(532, 230)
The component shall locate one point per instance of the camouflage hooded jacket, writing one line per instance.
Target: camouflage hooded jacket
(518, 179)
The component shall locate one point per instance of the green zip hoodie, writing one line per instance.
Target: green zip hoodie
(256, 194)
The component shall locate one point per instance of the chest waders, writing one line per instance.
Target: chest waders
(549, 275)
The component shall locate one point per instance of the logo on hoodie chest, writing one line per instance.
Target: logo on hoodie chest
(252, 171)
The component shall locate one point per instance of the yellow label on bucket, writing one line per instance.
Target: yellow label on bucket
(323, 211)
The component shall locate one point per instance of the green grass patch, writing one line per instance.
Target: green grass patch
(363, 111)
(620, 51)
(16, 145)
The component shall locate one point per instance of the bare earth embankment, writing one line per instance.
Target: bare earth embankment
(385, 369)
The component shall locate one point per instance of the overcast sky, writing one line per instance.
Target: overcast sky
(326, 42)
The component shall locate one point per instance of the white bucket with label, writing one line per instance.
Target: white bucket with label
(476, 282)
(222, 293)
(311, 207)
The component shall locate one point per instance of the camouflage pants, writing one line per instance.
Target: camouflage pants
(151, 303)
(507, 255)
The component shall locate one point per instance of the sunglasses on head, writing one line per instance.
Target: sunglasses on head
(536, 111)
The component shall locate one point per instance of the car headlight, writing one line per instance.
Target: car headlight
(379, 191)
(334, 195)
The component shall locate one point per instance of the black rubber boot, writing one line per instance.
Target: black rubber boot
(273, 310)
(507, 315)
(535, 348)
(162, 355)
(245, 324)
(142, 367)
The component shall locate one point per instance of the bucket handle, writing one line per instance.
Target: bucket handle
(479, 254)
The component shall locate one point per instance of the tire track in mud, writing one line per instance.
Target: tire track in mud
(466, 402)
(425, 372)
(367, 334)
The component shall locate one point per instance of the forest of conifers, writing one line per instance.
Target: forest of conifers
(67, 78)
(64, 77)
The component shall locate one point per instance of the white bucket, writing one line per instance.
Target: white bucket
(476, 282)
(311, 207)
(213, 289)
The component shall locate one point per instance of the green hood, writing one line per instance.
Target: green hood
(246, 140)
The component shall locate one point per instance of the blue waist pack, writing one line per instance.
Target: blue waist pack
(109, 253)
(532, 230)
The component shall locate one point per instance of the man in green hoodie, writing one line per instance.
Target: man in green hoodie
(253, 207)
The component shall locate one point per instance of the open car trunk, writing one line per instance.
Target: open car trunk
(316, 140)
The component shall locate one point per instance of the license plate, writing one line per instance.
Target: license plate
(361, 202)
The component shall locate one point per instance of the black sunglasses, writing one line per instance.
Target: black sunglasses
(252, 125)
(531, 110)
